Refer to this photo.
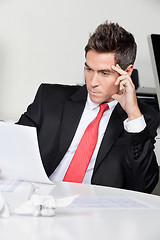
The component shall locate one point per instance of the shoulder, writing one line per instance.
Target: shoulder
(57, 91)
(58, 88)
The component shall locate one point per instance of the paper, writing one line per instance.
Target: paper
(43, 205)
(9, 185)
(4, 209)
(109, 202)
(19, 155)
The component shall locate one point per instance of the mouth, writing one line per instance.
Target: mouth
(94, 93)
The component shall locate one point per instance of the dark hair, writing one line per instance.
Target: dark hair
(110, 37)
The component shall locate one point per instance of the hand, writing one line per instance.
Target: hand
(126, 95)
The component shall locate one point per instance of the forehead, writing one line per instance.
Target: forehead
(99, 61)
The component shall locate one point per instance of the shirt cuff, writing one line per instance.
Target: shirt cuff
(135, 126)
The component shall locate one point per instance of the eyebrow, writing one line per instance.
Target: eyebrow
(102, 70)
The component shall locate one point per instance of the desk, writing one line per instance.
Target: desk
(88, 224)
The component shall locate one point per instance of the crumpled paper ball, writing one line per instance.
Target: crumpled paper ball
(43, 205)
(4, 209)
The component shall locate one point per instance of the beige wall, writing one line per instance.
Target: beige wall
(43, 41)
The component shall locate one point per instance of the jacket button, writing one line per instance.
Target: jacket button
(136, 155)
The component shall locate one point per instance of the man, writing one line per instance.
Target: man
(124, 153)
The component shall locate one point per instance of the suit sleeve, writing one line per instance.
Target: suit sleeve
(141, 168)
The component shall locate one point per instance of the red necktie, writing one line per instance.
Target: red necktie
(85, 149)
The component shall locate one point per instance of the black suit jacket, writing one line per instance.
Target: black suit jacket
(125, 160)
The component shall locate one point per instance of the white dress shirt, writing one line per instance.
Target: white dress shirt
(90, 112)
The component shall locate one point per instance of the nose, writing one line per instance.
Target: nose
(95, 80)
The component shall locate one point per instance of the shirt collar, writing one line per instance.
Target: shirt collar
(91, 105)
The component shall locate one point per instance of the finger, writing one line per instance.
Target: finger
(116, 97)
(118, 69)
(123, 77)
(122, 84)
(126, 84)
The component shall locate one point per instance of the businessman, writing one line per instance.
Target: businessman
(98, 133)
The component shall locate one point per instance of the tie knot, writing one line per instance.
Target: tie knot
(103, 107)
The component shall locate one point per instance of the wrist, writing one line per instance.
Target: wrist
(135, 114)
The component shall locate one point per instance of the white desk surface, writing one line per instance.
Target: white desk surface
(87, 224)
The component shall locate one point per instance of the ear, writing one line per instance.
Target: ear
(129, 69)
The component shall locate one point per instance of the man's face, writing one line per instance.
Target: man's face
(100, 77)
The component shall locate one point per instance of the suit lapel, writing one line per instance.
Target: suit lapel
(73, 109)
(113, 130)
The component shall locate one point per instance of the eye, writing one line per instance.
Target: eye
(88, 69)
(105, 74)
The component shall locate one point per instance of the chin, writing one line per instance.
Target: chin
(96, 100)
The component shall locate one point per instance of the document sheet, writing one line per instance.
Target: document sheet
(109, 202)
(19, 154)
